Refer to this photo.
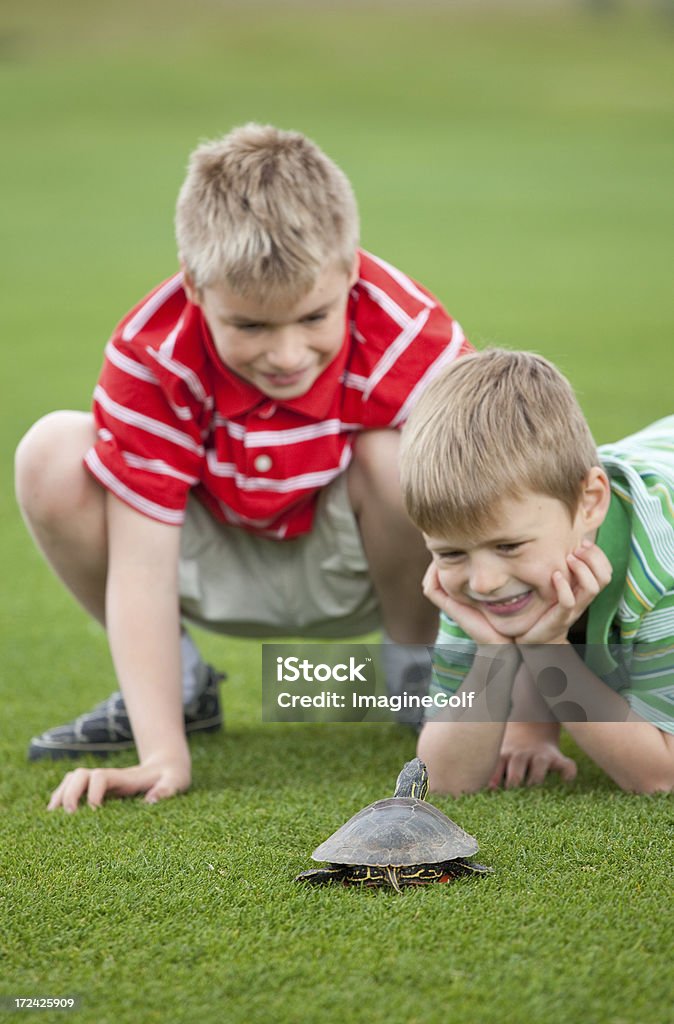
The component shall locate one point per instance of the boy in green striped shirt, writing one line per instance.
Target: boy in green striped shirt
(553, 568)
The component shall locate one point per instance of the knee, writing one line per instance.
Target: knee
(49, 474)
(374, 468)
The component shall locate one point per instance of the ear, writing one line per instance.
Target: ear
(355, 271)
(594, 500)
(191, 291)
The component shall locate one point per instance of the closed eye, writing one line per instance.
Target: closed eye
(249, 328)
(509, 549)
(448, 556)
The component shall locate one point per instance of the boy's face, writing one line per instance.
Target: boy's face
(281, 347)
(506, 573)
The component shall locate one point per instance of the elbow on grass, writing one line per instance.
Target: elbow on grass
(447, 776)
(646, 783)
(649, 786)
(453, 788)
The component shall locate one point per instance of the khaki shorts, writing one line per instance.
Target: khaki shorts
(316, 585)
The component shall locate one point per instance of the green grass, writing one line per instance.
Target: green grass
(517, 162)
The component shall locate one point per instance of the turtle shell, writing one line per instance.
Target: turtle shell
(397, 832)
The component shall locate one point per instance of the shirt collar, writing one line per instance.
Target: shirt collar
(613, 537)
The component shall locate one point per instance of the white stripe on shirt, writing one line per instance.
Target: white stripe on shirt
(304, 481)
(403, 280)
(447, 356)
(394, 351)
(386, 303)
(139, 319)
(172, 516)
(146, 423)
(157, 466)
(184, 372)
(293, 435)
(354, 380)
(130, 366)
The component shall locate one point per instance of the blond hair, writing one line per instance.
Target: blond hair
(494, 424)
(264, 210)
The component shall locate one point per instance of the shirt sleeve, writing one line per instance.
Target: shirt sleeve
(422, 343)
(149, 450)
(453, 656)
(650, 691)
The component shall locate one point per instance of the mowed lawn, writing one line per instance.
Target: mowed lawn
(518, 162)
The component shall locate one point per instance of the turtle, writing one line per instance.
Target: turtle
(400, 841)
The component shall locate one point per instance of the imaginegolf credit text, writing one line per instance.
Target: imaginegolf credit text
(367, 701)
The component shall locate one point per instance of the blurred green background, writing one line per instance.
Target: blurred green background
(518, 161)
(515, 158)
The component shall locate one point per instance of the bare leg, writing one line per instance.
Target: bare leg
(64, 509)
(394, 547)
(63, 506)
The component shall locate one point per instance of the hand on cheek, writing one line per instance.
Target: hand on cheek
(588, 572)
(469, 619)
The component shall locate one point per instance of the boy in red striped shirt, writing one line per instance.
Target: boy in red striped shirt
(240, 466)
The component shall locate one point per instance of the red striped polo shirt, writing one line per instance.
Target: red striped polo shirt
(171, 417)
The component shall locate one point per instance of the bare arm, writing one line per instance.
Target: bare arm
(143, 624)
(461, 747)
(636, 754)
(530, 747)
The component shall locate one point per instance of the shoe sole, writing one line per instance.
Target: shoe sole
(40, 752)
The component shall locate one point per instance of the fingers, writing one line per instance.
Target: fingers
(587, 585)
(590, 571)
(432, 588)
(113, 782)
(93, 781)
(538, 768)
(546, 762)
(566, 599)
(68, 793)
(516, 769)
(568, 769)
(596, 561)
(530, 768)
(430, 579)
(497, 775)
(162, 791)
(97, 783)
(591, 568)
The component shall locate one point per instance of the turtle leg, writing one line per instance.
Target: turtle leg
(322, 876)
(467, 867)
(451, 869)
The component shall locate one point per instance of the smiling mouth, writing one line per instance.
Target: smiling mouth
(286, 379)
(508, 605)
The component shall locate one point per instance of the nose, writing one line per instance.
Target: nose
(486, 576)
(286, 351)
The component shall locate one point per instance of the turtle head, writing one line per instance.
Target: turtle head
(413, 780)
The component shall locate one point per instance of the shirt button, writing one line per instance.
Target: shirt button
(262, 463)
(267, 411)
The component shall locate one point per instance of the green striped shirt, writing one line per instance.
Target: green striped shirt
(634, 614)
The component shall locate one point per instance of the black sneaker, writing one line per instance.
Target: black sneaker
(107, 729)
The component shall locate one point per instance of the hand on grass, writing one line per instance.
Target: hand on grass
(589, 572)
(529, 752)
(158, 779)
(469, 619)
